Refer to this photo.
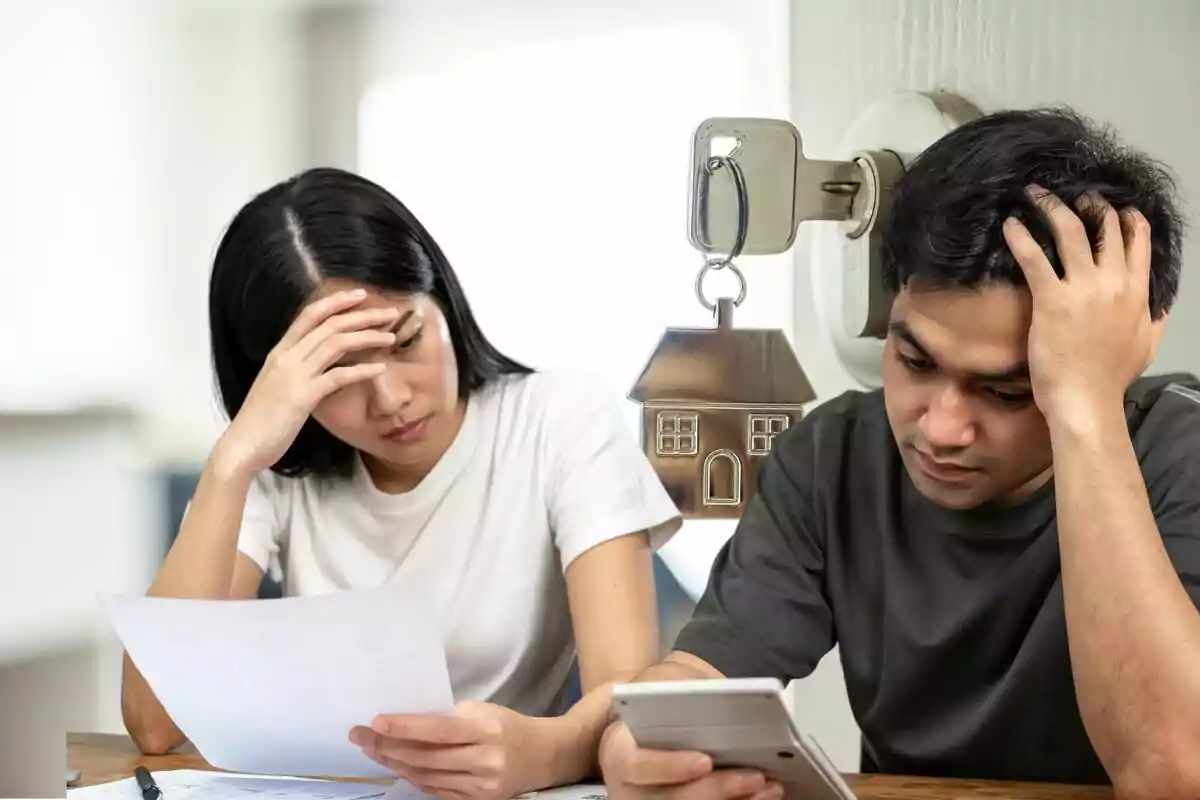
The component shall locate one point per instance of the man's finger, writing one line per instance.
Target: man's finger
(1135, 231)
(664, 768)
(1070, 237)
(1112, 242)
(444, 729)
(774, 791)
(1039, 272)
(723, 785)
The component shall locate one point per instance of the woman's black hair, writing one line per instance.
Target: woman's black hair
(321, 224)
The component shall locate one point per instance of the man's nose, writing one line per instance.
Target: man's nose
(947, 422)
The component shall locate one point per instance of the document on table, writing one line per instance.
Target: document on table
(274, 686)
(578, 791)
(192, 784)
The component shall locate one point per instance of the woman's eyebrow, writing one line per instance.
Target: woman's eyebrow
(398, 324)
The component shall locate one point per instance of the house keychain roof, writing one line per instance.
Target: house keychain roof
(723, 366)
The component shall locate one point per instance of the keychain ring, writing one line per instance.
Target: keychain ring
(712, 265)
(743, 208)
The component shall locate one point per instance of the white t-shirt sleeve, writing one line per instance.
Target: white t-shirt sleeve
(263, 523)
(601, 485)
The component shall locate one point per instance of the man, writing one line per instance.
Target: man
(1005, 541)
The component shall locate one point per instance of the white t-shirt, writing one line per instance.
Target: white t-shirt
(542, 470)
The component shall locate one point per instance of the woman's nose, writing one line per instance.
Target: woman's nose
(390, 393)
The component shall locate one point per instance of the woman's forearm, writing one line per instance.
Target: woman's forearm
(201, 561)
(200, 564)
(147, 722)
(571, 742)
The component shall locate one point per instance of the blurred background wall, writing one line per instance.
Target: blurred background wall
(544, 144)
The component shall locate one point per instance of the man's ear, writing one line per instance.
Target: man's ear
(1157, 327)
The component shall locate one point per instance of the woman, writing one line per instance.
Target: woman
(377, 436)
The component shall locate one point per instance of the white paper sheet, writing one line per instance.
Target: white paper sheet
(579, 791)
(191, 784)
(274, 686)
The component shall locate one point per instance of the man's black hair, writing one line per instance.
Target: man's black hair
(944, 228)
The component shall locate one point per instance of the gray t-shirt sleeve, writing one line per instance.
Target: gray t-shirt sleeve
(1169, 447)
(764, 613)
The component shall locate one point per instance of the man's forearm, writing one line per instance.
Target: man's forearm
(1134, 632)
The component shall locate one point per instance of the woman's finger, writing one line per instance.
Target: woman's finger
(364, 737)
(441, 729)
(339, 377)
(429, 781)
(463, 783)
(367, 319)
(477, 759)
(339, 345)
(317, 312)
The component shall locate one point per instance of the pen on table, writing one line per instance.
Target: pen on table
(145, 781)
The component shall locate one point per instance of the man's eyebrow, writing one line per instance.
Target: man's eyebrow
(902, 330)
(1017, 372)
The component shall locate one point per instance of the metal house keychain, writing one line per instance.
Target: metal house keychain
(714, 399)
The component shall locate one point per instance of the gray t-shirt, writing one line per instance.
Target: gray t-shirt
(950, 623)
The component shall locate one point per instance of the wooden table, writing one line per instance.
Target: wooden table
(107, 757)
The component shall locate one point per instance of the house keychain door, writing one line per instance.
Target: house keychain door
(714, 399)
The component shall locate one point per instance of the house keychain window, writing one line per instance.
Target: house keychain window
(714, 400)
